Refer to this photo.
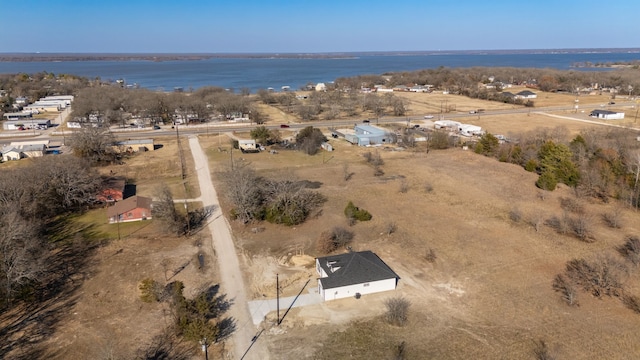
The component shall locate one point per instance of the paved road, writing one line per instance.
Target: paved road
(232, 282)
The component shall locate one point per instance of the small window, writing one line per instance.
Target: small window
(130, 215)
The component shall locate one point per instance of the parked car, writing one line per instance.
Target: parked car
(156, 127)
(428, 116)
(612, 103)
(472, 112)
(284, 126)
(366, 121)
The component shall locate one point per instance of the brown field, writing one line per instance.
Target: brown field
(488, 294)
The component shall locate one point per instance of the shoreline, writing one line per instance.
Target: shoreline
(158, 57)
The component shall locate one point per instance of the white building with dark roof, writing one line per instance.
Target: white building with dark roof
(353, 274)
(607, 114)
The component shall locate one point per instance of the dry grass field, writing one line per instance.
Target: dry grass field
(487, 295)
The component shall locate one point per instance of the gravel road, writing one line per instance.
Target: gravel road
(232, 282)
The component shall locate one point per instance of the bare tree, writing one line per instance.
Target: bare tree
(94, 144)
(164, 209)
(245, 192)
(21, 253)
(566, 289)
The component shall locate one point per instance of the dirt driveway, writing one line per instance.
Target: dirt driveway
(232, 282)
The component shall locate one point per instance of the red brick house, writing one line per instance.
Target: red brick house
(135, 208)
(112, 190)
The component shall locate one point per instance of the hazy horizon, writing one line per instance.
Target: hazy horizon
(331, 26)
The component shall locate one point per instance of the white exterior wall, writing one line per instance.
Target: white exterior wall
(615, 116)
(247, 144)
(11, 155)
(351, 290)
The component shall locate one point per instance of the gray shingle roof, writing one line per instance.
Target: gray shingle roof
(354, 268)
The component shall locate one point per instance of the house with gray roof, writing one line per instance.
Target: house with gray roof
(526, 94)
(353, 274)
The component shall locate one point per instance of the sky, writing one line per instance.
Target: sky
(320, 26)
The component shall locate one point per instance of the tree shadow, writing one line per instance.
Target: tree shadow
(31, 321)
(309, 184)
(220, 305)
(166, 347)
(197, 219)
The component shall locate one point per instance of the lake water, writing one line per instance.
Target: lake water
(262, 73)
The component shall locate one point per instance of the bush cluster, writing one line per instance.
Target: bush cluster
(354, 213)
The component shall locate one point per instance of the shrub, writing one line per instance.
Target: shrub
(404, 186)
(428, 187)
(391, 228)
(566, 290)
(613, 219)
(354, 212)
(547, 181)
(600, 277)
(150, 290)
(515, 215)
(541, 351)
(571, 205)
(397, 310)
(632, 302)
(333, 239)
(630, 250)
(430, 256)
(531, 165)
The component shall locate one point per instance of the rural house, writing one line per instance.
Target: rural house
(526, 94)
(11, 153)
(353, 274)
(135, 208)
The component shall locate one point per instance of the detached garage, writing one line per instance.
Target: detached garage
(353, 274)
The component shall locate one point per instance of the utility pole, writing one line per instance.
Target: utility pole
(278, 297)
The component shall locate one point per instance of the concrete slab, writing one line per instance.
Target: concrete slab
(260, 308)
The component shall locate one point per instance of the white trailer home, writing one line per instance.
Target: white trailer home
(446, 124)
(607, 114)
(247, 145)
(353, 274)
(469, 130)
